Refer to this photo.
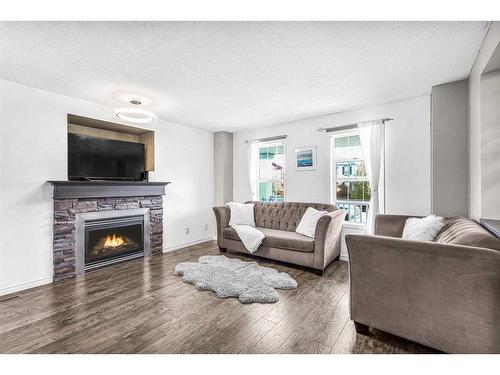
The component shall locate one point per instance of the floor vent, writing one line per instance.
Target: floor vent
(7, 299)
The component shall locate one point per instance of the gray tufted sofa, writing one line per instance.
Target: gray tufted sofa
(278, 222)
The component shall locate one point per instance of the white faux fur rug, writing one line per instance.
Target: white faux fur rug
(229, 277)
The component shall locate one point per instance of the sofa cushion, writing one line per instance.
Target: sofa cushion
(279, 238)
(423, 228)
(241, 213)
(307, 225)
(463, 231)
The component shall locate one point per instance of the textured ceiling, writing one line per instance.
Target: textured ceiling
(235, 75)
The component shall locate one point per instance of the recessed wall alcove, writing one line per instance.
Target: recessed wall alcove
(109, 130)
(490, 137)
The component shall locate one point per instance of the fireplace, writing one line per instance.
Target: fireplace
(97, 223)
(113, 240)
(111, 236)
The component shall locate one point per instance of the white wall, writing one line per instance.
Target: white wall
(33, 149)
(407, 155)
(487, 49)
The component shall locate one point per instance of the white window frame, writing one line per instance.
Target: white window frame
(333, 171)
(259, 180)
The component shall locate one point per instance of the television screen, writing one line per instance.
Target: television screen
(100, 158)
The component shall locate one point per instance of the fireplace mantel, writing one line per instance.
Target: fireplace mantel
(104, 189)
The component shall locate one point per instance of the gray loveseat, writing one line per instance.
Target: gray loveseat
(278, 222)
(444, 294)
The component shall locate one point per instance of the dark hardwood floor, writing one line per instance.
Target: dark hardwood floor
(141, 307)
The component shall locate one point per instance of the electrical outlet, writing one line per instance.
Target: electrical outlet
(187, 230)
(206, 226)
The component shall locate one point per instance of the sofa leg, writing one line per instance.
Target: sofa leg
(361, 328)
(318, 272)
(222, 250)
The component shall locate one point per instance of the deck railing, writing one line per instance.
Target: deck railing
(356, 210)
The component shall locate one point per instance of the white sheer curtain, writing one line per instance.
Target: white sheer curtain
(253, 170)
(372, 136)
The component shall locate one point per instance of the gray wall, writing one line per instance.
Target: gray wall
(223, 168)
(481, 65)
(490, 145)
(449, 142)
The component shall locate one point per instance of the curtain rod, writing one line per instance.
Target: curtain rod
(350, 126)
(275, 138)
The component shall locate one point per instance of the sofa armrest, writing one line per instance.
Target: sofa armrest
(327, 238)
(390, 225)
(222, 216)
(441, 295)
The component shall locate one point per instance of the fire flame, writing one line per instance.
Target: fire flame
(113, 241)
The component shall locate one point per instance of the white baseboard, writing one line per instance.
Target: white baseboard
(24, 286)
(188, 243)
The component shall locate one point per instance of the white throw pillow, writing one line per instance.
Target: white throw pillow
(423, 229)
(307, 225)
(241, 213)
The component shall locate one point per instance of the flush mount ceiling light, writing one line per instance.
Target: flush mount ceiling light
(134, 114)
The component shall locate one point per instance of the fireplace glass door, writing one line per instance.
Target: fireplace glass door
(111, 239)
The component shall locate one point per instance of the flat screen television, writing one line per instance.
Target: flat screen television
(104, 159)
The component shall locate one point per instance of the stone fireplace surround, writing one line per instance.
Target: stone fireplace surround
(67, 212)
(75, 202)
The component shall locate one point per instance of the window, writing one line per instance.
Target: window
(350, 187)
(271, 171)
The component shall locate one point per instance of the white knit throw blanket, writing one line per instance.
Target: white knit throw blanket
(250, 236)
